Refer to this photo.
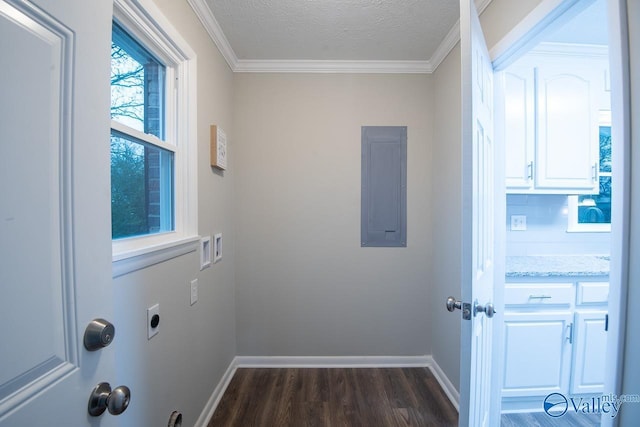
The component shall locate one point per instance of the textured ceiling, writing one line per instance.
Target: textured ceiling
(335, 30)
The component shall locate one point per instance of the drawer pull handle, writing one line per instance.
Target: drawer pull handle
(539, 296)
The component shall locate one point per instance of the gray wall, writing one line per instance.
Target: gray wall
(447, 220)
(180, 367)
(499, 18)
(304, 286)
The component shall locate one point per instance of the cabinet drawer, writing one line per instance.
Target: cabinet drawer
(538, 294)
(593, 293)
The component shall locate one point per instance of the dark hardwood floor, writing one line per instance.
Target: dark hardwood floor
(350, 397)
(540, 419)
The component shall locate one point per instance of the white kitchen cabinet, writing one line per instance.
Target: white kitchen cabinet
(519, 126)
(567, 150)
(590, 337)
(537, 353)
(590, 343)
(552, 100)
(554, 339)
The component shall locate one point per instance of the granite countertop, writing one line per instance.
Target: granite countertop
(557, 265)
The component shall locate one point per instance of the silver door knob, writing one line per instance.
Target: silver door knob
(103, 398)
(487, 309)
(452, 304)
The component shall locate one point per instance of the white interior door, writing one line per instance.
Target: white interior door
(55, 232)
(478, 182)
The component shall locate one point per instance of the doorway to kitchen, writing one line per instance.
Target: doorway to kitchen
(557, 132)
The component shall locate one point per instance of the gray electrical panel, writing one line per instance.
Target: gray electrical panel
(384, 186)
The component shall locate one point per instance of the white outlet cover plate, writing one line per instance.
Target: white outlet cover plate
(205, 252)
(217, 247)
(518, 223)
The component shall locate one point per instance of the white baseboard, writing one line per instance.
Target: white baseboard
(446, 384)
(332, 361)
(216, 396)
(425, 361)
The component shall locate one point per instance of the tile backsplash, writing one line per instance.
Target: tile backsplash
(546, 233)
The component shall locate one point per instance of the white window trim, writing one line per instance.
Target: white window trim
(143, 20)
(573, 226)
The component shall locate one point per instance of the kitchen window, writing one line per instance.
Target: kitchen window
(592, 213)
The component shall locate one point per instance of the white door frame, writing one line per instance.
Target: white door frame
(622, 220)
(519, 39)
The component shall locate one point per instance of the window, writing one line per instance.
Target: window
(593, 212)
(141, 169)
(153, 145)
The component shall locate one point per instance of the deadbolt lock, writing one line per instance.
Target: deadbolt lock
(99, 334)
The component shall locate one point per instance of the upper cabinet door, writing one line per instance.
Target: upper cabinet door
(519, 126)
(567, 152)
(552, 102)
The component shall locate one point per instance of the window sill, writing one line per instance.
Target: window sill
(589, 228)
(130, 255)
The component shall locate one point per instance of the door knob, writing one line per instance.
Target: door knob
(99, 334)
(453, 304)
(487, 309)
(103, 398)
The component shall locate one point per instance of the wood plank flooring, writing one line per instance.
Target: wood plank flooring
(540, 419)
(349, 397)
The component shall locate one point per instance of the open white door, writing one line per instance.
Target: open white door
(478, 194)
(55, 230)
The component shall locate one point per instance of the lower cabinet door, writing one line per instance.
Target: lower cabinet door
(537, 353)
(590, 345)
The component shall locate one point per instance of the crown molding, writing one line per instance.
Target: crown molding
(313, 66)
(452, 38)
(481, 5)
(204, 13)
(446, 46)
(210, 24)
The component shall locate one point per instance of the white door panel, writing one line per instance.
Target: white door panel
(54, 212)
(478, 218)
(32, 285)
